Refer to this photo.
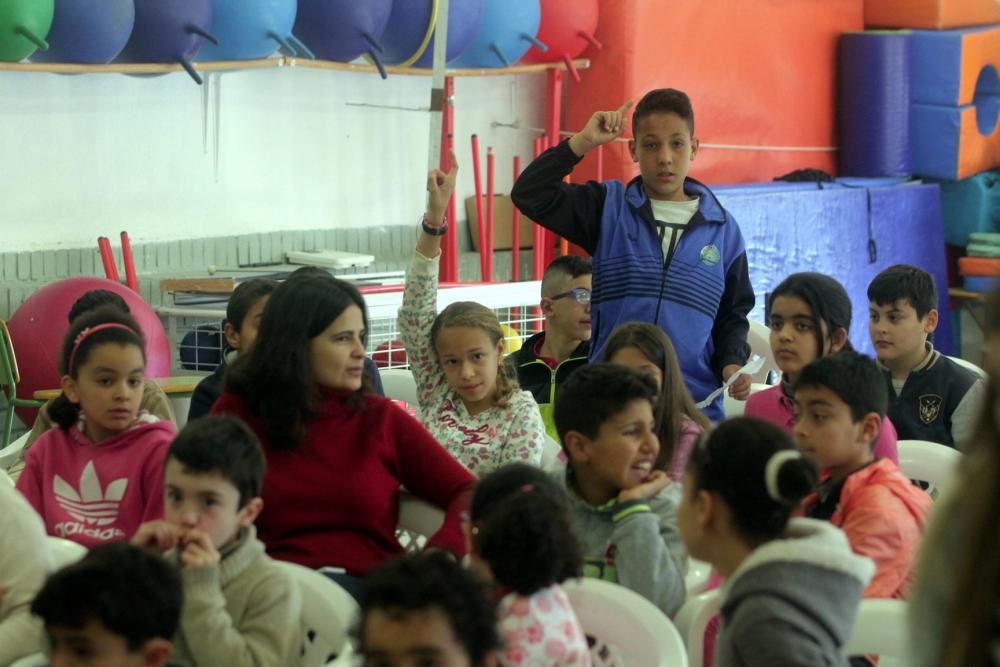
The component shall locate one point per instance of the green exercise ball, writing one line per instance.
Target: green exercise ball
(24, 25)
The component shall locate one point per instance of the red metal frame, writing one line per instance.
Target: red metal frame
(490, 211)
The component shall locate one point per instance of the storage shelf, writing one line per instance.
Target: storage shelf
(273, 63)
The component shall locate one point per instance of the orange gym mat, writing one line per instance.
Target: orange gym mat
(934, 14)
(760, 75)
(978, 266)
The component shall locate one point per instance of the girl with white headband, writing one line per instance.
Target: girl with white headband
(792, 585)
(98, 476)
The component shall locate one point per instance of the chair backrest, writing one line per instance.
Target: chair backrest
(418, 521)
(880, 628)
(10, 453)
(699, 573)
(627, 629)
(550, 453)
(693, 619)
(733, 408)
(399, 385)
(328, 612)
(64, 552)
(968, 364)
(928, 461)
(759, 339)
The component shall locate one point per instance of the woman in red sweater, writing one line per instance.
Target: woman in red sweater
(336, 454)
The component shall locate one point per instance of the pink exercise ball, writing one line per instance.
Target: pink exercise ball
(38, 326)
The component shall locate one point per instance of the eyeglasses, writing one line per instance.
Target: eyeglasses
(581, 294)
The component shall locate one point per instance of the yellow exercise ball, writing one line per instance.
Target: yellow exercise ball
(511, 339)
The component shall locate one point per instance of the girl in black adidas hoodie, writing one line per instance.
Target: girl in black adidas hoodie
(792, 586)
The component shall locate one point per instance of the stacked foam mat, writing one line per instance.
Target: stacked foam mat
(919, 95)
(917, 101)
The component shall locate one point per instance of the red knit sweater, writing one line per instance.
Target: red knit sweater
(335, 500)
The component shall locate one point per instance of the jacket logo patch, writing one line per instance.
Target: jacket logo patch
(930, 407)
(710, 255)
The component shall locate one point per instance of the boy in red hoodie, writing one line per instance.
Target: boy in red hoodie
(840, 401)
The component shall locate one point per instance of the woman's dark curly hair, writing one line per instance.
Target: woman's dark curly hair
(522, 529)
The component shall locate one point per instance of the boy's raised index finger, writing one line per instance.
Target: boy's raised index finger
(623, 109)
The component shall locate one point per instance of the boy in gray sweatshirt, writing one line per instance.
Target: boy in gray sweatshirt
(624, 511)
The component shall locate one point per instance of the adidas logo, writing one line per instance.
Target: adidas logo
(90, 504)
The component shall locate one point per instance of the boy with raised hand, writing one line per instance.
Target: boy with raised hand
(117, 607)
(546, 359)
(930, 396)
(240, 607)
(665, 250)
(427, 609)
(623, 509)
(839, 404)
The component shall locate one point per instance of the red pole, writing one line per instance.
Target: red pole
(130, 278)
(480, 218)
(539, 233)
(490, 206)
(108, 258)
(449, 248)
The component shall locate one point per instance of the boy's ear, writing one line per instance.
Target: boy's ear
(250, 511)
(931, 320)
(232, 336)
(705, 508)
(575, 444)
(695, 145)
(546, 306)
(871, 426)
(155, 652)
(68, 386)
(631, 150)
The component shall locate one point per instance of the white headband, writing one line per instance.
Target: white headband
(772, 469)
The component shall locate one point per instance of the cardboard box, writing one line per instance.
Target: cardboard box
(503, 211)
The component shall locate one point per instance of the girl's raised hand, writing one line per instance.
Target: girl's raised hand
(440, 186)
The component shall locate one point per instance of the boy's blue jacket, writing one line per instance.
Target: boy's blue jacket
(699, 294)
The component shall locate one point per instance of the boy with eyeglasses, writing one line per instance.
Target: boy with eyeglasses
(546, 359)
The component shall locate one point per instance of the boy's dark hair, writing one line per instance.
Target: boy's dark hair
(61, 410)
(826, 298)
(594, 394)
(523, 529)
(905, 281)
(433, 580)
(853, 377)
(731, 461)
(94, 299)
(562, 269)
(223, 445)
(244, 297)
(134, 593)
(663, 100)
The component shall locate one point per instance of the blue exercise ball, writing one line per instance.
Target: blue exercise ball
(250, 29)
(168, 31)
(89, 32)
(505, 34)
(410, 21)
(344, 29)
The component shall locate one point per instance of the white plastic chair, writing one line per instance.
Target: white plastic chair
(699, 572)
(64, 552)
(759, 339)
(550, 453)
(328, 612)
(10, 453)
(629, 631)
(928, 461)
(399, 385)
(418, 521)
(5, 478)
(693, 619)
(968, 364)
(733, 408)
(880, 628)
